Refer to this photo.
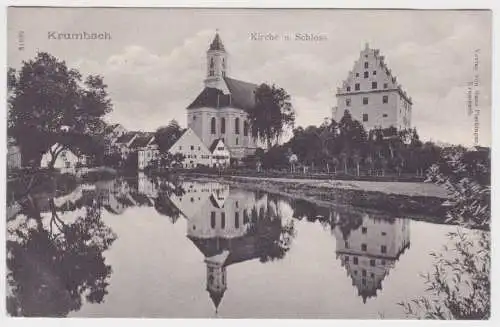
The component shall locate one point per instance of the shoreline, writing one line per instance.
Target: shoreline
(425, 204)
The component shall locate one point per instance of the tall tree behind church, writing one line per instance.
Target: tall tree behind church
(273, 113)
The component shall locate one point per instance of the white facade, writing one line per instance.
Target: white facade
(66, 161)
(223, 116)
(220, 154)
(372, 94)
(194, 150)
(147, 154)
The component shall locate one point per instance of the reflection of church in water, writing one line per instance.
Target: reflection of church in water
(369, 252)
(226, 226)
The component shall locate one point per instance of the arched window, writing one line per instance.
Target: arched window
(212, 125)
(237, 126)
(212, 219)
(223, 125)
(223, 220)
(211, 62)
(236, 220)
(245, 128)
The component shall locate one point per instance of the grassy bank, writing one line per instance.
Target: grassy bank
(418, 200)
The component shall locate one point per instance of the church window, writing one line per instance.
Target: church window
(212, 219)
(365, 100)
(223, 63)
(236, 220)
(366, 64)
(365, 117)
(236, 141)
(211, 62)
(237, 126)
(385, 99)
(374, 85)
(346, 244)
(223, 220)
(356, 86)
(194, 117)
(192, 147)
(365, 75)
(245, 128)
(384, 115)
(223, 125)
(211, 72)
(374, 72)
(212, 127)
(348, 102)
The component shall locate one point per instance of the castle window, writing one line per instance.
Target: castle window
(385, 99)
(365, 74)
(212, 219)
(212, 125)
(356, 86)
(365, 117)
(365, 100)
(366, 64)
(348, 89)
(348, 102)
(386, 85)
(383, 249)
(236, 220)
(223, 220)
(374, 85)
(236, 126)
(374, 72)
(245, 128)
(363, 247)
(223, 125)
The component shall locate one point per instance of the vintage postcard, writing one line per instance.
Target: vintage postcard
(248, 163)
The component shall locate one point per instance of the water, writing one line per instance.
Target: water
(151, 248)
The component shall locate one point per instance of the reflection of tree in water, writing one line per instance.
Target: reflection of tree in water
(274, 239)
(163, 204)
(51, 271)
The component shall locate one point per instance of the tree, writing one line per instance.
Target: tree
(272, 113)
(50, 103)
(166, 136)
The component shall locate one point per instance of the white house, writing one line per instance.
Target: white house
(220, 154)
(194, 150)
(67, 161)
(147, 150)
(122, 143)
(372, 94)
(13, 155)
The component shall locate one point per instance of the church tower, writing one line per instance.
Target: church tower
(216, 64)
(216, 279)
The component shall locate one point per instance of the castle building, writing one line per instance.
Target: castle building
(220, 110)
(372, 95)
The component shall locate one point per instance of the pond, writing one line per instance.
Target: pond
(144, 247)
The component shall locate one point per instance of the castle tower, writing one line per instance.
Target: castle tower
(216, 64)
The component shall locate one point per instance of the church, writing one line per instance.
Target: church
(220, 110)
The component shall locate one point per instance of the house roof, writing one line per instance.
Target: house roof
(214, 145)
(241, 95)
(125, 138)
(111, 128)
(140, 141)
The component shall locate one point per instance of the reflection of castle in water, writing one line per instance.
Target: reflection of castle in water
(369, 252)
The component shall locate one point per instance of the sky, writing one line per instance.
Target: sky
(154, 63)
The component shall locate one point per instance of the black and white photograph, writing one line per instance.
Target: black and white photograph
(246, 163)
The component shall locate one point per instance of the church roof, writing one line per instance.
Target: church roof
(217, 43)
(216, 297)
(241, 95)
